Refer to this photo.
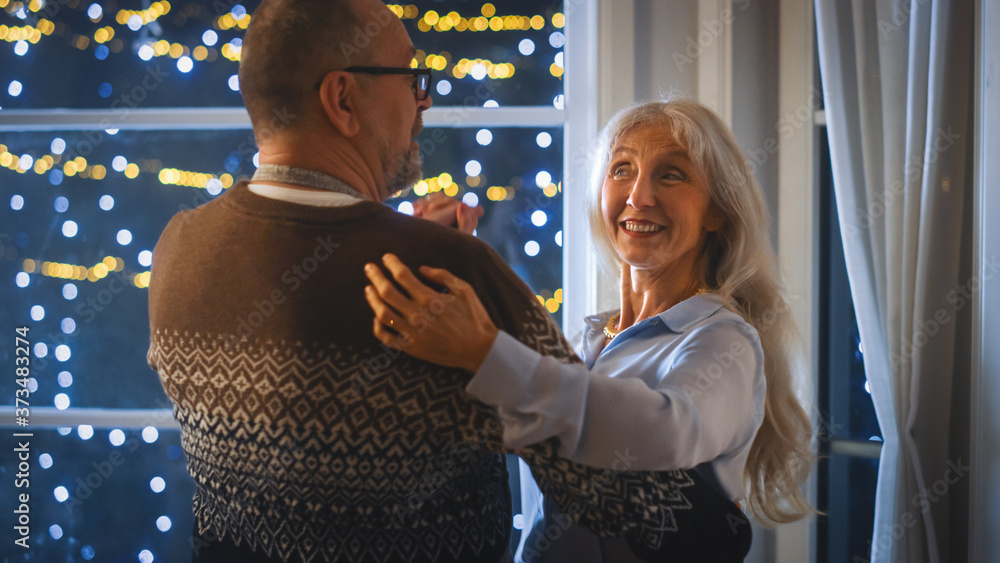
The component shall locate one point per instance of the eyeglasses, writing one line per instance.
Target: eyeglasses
(421, 84)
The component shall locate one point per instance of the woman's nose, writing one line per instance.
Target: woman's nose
(641, 195)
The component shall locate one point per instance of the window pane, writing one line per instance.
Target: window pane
(848, 499)
(517, 180)
(186, 55)
(77, 232)
(141, 55)
(77, 228)
(511, 53)
(110, 508)
(847, 401)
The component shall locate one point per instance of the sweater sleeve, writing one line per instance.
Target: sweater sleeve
(703, 406)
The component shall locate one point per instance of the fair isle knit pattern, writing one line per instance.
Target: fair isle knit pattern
(295, 458)
(310, 441)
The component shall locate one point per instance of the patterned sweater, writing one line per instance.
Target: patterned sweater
(310, 441)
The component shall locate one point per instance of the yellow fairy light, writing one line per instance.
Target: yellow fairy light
(550, 190)
(451, 190)
(420, 189)
(200, 53)
(227, 181)
(551, 305)
(558, 20)
(28, 266)
(472, 181)
(422, 25)
(396, 9)
(176, 50)
(445, 180)
(35, 5)
(556, 70)
(489, 10)
(40, 167)
(131, 171)
(431, 17)
(81, 162)
(537, 22)
(496, 193)
(540, 299)
(100, 271)
(496, 24)
(558, 295)
(5, 159)
(98, 172)
(69, 169)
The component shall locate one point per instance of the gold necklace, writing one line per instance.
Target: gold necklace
(609, 329)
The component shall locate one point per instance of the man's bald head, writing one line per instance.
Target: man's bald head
(292, 44)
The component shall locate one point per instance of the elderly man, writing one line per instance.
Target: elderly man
(306, 438)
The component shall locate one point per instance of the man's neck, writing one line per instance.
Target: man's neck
(334, 157)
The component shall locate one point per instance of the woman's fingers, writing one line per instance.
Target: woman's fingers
(383, 312)
(444, 277)
(420, 292)
(386, 290)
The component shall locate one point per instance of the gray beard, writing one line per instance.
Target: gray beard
(407, 173)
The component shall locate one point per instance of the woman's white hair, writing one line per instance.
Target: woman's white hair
(739, 264)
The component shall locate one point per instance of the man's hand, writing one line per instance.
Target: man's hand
(448, 211)
(451, 329)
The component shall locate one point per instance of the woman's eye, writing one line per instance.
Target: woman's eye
(673, 176)
(619, 171)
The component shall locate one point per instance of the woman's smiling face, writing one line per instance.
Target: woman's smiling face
(656, 204)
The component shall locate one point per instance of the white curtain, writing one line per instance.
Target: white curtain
(897, 84)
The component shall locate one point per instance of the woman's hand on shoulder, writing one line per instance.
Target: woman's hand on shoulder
(450, 328)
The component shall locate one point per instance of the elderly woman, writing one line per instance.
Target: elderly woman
(694, 370)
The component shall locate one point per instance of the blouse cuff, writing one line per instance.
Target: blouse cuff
(505, 374)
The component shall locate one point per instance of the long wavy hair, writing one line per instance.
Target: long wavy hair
(739, 264)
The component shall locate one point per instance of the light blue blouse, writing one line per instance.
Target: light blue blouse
(679, 390)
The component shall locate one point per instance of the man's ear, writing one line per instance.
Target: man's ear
(339, 95)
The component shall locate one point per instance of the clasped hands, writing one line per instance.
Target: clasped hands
(450, 328)
(448, 211)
